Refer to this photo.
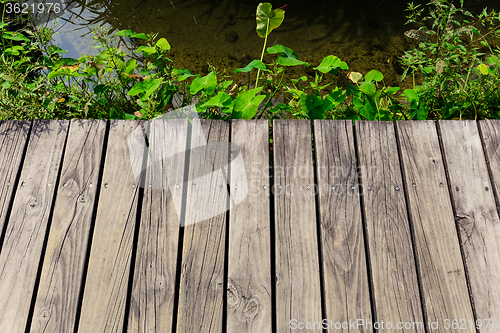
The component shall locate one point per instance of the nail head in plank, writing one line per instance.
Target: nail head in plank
(347, 296)
(105, 293)
(13, 138)
(62, 272)
(28, 222)
(298, 290)
(394, 276)
(153, 290)
(444, 286)
(202, 272)
(249, 268)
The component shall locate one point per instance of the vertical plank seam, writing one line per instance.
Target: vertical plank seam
(16, 186)
(140, 197)
(272, 229)
(450, 193)
(318, 222)
(412, 228)
(365, 227)
(226, 240)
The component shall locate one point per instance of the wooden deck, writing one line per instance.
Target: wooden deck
(376, 227)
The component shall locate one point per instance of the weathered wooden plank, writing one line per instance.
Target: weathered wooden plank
(249, 307)
(60, 283)
(441, 268)
(28, 222)
(394, 277)
(202, 272)
(153, 291)
(490, 130)
(105, 293)
(347, 296)
(475, 214)
(298, 289)
(13, 138)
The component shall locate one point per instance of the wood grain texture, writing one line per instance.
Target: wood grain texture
(298, 290)
(490, 130)
(13, 138)
(28, 222)
(347, 295)
(202, 272)
(105, 293)
(476, 214)
(153, 291)
(249, 307)
(441, 268)
(394, 277)
(60, 283)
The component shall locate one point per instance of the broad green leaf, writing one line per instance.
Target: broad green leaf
(374, 75)
(253, 64)
(368, 87)
(314, 107)
(335, 98)
(392, 90)
(207, 82)
(287, 56)
(221, 100)
(3, 24)
(411, 96)
(331, 65)
(131, 34)
(147, 87)
(15, 36)
(182, 74)
(13, 50)
(146, 49)
(162, 45)
(422, 112)
(128, 116)
(246, 105)
(268, 19)
(130, 66)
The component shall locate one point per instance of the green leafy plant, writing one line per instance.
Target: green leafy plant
(457, 80)
(267, 20)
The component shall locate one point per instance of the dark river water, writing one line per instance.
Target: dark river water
(366, 34)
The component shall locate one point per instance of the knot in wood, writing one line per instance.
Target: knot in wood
(252, 308)
(233, 298)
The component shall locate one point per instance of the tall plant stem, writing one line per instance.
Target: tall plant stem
(262, 55)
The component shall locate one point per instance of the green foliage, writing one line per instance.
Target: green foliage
(37, 81)
(458, 80)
